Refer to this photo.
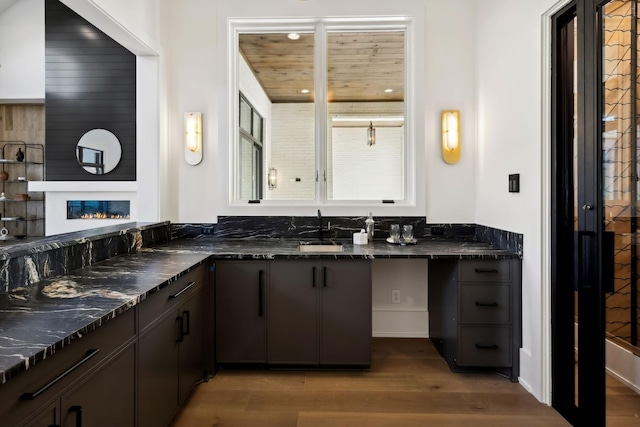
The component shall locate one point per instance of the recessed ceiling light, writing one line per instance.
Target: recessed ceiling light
(293, 36)
(304, 91)
(388, 90)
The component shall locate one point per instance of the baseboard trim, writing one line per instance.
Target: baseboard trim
(381, 334)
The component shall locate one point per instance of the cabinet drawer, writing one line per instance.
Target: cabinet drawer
(63, 369)
(169, 297)
(485, 303)
(493, 270)
(484, 346)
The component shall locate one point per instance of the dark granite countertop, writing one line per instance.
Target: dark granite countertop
(287, 248)
(37, 321)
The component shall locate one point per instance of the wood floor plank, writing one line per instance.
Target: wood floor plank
(362, 401)
(342, 419)
(260, 380)
(409, 385)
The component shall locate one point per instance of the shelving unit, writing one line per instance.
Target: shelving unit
(21, 211)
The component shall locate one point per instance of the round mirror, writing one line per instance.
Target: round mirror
(98, 151)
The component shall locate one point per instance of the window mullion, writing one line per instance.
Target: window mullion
(321, 110)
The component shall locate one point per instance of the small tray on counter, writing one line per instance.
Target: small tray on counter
(401, 242)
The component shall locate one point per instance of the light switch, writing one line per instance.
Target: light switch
(514, 183)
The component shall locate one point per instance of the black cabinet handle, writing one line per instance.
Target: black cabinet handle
(486, 304)
(486, 270)
(260, 292)
(78, 410)
(183, 290)
(180, 329)
(313, 277)
(188, 322)
(486, 346)
(324, 277)
(89, 355)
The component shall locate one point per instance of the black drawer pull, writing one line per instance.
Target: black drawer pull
(78, 410)
(486, 304)
(187, 314)
(89, 355)
(313, 272)
(486, 346)
(486, 270)
(180, 321)
(182, 291)
(324, 277)
(260, 293)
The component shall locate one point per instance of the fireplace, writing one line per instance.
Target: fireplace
(98, 209)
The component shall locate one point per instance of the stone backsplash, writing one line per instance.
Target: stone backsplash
(342, 228)
(23, 264)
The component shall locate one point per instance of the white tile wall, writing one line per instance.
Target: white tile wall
(293, 151)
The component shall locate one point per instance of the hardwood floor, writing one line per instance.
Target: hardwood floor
(409, 385)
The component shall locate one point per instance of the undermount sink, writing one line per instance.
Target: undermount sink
(320, 247)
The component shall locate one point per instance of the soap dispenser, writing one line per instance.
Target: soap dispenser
(369, 227)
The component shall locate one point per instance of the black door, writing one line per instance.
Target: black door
(594, 195)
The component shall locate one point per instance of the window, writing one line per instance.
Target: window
(251, 151)
(322, 87)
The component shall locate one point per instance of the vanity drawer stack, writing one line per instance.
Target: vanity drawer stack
(474, 313)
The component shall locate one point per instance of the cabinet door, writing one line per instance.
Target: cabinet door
(49, 417)
(241, 311)
(106, 398)
(158, 372)
(345, 322)
(293, 312)
(192, 364)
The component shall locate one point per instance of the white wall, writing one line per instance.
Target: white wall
(22, 52)
(408, 318)
(199, 83)
(509, 95)
(450, 84)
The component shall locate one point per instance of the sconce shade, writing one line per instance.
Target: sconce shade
(371, 135)
(273, 178)
(451, 136)
(193, 138)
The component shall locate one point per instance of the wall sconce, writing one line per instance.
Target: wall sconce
(371, 135)
(193, 138)
(451, 136)
(273, 178)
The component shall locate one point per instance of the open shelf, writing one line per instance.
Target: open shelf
(21, 211)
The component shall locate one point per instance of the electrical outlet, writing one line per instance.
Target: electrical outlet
(395, 296)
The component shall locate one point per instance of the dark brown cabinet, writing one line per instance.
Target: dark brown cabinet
(474, 313)
(240, 291)
(90, 376)
(134, 370)
(50, 417)
(319, 312)
(92, 401)
(105, 399)
(171, 348)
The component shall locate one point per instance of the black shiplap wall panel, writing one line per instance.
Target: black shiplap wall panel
(90, 84)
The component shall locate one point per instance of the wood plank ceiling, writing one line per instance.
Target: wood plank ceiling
(362, 66)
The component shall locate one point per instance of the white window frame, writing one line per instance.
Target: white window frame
(414, 174)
